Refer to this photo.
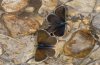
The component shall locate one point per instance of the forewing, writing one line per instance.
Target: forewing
(54, 21)
(51, 41)
(42, 36)
(60, 12)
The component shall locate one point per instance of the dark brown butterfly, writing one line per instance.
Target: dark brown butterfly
(57, 21)
(45, 45)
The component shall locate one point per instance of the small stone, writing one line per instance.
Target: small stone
(59, 47)
(64, 1)
(97, 7)
(29, 9)
(80, 44)
(83, 6)
(13, 48)
(29, 50)
(1, 49)
(13, 5)
(96, 24)
(1, 62)
(36, 4)
(47, 7)
(5, 62)
(3, 29)
(97, 62)
(18, 50)
(95, 55)
(20, 26)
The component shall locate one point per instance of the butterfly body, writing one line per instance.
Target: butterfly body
(44, 46)
(58, 25)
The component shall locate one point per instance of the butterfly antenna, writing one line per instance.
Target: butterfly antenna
(60, 4)
(29, 59)
(65, 2)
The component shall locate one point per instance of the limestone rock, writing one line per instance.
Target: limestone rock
(47, 7)
(13, 5)
(19, 26)
(83, 6)
(59, 47)
(12, 48)
(85, 41)
(35, 4)
(97, 7)
(3, 29)
(29, 50)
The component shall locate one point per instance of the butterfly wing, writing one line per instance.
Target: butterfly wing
(53, 19)
(40, 55)
(54, 22)
(60, 12)
(51, 41)
(42, 36)
(50, 52)
(60, 31)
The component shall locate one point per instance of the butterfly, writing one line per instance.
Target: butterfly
(57, 21)
(45, 45)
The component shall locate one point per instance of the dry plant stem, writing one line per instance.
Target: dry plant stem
(29, 59)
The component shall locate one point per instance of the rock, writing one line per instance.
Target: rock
(97, 7)
(13, 5)
(47, 7)
(24, 64)
(95, 27)
(64, 1)
(97, 62)
(17, 50)
(1, 49)
(1, 62)
(20, 19)
(58, 61)
(29, 9)
(80, 44)
(59, 47)
(20, 26)
(1, 13)
(3, 29)
(12, 48)
(35, 4)
(96, 24)
(83, 6)
(95, 55)
(29, 50)
(4, 62)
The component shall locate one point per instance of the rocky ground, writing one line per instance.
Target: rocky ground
(20, 19)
